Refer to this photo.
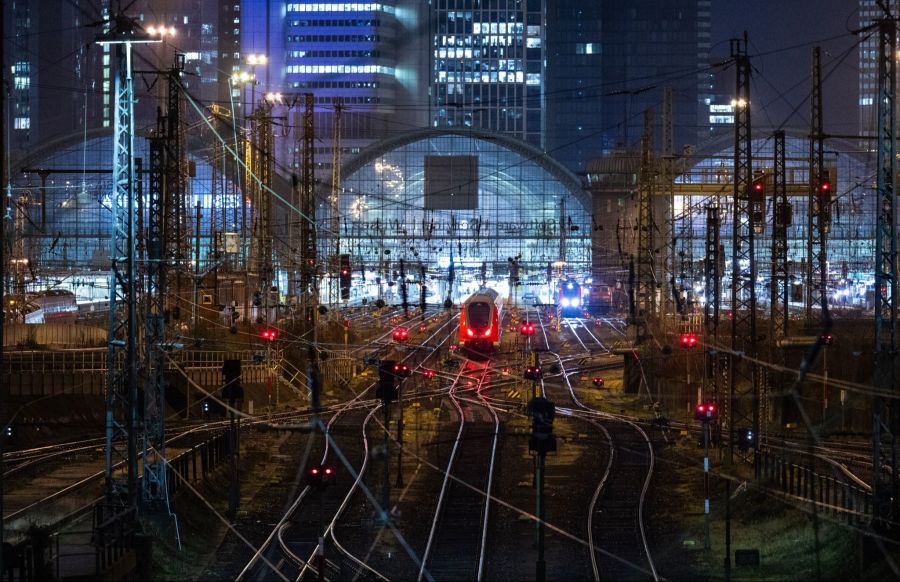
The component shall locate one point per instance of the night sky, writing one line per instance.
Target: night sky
(782, 34)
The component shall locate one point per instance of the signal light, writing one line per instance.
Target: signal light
(345, 278)
(598, 381)
(527, 329)
(827, 339)
(688, 340)
(401, 370)
(429, 373)
(320, 475)
(401, 334)
(269, 334)
(706, 412)
(533, 373)
(746, 439)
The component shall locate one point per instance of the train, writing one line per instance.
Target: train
(479, 321)
(600, 299)
(569, 298)
(52, 306)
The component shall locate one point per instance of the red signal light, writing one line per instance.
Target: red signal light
(329, 470)
(705, 412)
(401, 334)
(757, 186)
(314, 470)
(689, 340)
(269, 334)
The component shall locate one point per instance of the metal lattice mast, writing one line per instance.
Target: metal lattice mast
(712, 279)
(884, 486)
(646, 282)
(262, 165)
(778, 298)
(334, 224)
(743, 406)
(667, 200)
(157, 272)
(308, 290)
(778, 304)
(818, 218)
(176, 182)
(122, 356)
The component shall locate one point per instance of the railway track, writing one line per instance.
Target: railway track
(616, 528)
(453, 550)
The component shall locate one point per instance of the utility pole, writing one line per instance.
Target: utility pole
(819, 205)
(664, 206)
(157, 273)
(176, 186)
(122, 357)
(308, 287)
(884, 435)
(713, 299)
(335, 215)
(386, 391)
(646, 280)
(262, 163)
(743, 403)
(782, 215)
(542, 441)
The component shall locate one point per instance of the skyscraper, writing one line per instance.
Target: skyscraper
(365, 55)
(869, 12)
(487, 66)
(607, 63)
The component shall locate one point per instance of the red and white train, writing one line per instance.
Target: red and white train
(479, 321)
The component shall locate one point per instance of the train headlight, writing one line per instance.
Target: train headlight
(470, 332)
(575, 302)
(565, 301)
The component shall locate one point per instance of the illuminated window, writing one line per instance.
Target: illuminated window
(589, 48)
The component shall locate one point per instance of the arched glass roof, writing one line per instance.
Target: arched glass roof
(525, 201)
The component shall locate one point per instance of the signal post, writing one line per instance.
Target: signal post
(543, 441)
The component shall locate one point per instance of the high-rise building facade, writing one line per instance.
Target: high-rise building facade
(63, 82)
(608, 62)
(363, 55)
(869, 13)
(487, 66)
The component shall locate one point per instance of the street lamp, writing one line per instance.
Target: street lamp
(253, 60)
(161, 31)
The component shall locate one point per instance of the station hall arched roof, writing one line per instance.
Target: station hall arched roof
(529, 154)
